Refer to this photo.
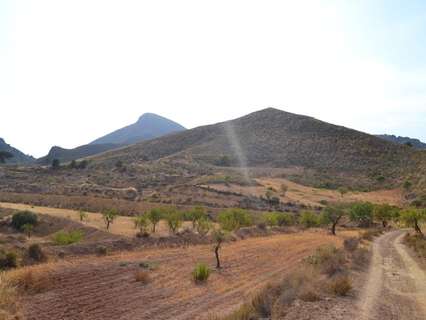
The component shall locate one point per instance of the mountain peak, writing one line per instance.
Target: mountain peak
(148, 126)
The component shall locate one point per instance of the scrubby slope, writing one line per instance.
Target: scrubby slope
(274, 138)
(18, 156)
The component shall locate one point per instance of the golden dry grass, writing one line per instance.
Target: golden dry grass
(312, 196)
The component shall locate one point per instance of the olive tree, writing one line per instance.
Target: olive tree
(219, 238)
(413, 218)
(109, 216)
(155, 216)
(331, 215)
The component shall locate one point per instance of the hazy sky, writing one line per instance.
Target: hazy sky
(71, 71)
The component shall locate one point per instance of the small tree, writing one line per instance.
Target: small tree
(154, 217)
(174, 219)
(23, 217)
(233, 219)
(219, 238)
(82, 215)
(331, 215)
(413, 218)
(204, 225)
(4, 155)
(142, 223)
(56, 163)
(343, 191)
(27, 228)
(384, 213)
(362, 213)
(196, 214)
(109, 216)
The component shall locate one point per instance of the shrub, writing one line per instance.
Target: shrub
(360, 258)
(174, 219)
(201, 272)
(413, 218)
(8, 260)
(233, 219)
(109, 216)
(36, 253)
(362, 213)
(195, 215)
(204, 226)
(328, 259)
(351, 244)
(142, 223)
(31, 281)
(82, 215)
(341, 285)
(63, 238)
(155, 216)
(284, 219)
(101, 250)
(142, 276)
(309, 219)
(22, 218)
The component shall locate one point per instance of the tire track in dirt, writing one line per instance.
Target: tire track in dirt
(105, 288)
(396, 285)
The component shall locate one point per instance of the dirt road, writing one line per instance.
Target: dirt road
(396, 285)
(105, 288)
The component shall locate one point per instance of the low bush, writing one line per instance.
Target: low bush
(8, 260)
(142, 276)
(101, 250)
(36, 253)
(201, 272)
(31, 281)
(360, 258)
(309, 219)
(233, 219)
(63, 238)
(22, 218)
(351, 244)
(341, 285)
(328, 259)
(418, 243)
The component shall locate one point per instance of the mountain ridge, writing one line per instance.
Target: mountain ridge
(18, 156)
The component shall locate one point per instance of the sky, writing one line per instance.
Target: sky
(72, 71)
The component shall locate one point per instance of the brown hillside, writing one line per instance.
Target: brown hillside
(278, 139)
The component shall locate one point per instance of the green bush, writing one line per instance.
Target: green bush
(201, 272)
(362, 213)
(8, 260)
(233, 219)
(22, 218)
(174, 219)
(63, 238)
(309, 219)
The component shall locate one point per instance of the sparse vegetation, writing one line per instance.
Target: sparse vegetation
(63, 238)
(233, 219)
(142, 223)
(154, 217)
(201, 272)
(203, 226)
(341, 285)
(418, 243)
(174, 219)
(83, 215)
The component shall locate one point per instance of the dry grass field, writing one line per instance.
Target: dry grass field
(106, 288)
(312, 196)
(123, 225)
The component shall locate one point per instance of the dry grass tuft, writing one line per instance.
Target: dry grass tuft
(341, 286)
(8, 299)
(142, 276)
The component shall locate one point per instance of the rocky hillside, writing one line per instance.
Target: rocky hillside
(416, 143)
(18, 156)
(65, 155)
(278, 139)
(148, 126)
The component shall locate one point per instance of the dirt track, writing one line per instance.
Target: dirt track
(396, 285)
(104, 288)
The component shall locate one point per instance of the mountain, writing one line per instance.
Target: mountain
(149, 126)
(18, 156)
(416, 143)
(66, 155)
(273, 138)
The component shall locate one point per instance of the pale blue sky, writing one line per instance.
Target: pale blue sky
(71, 71)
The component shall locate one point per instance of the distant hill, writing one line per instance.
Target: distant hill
(18, 156)
(149, 126)
(278, 139)
(416, 143)
(66, 155)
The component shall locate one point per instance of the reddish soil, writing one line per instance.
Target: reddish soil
(105, 288)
